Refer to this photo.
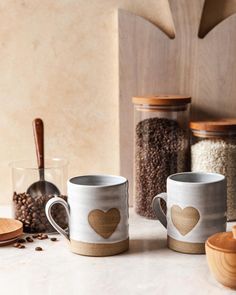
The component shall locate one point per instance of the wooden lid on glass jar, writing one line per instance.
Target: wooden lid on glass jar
(222, 125)
(224, 242)
(162, 100)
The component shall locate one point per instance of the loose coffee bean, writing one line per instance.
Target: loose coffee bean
(35, 236)
(38, 249)
(53, 239)
(16, 245)
(44, 237)
(21, 241)
(29, 239)
(21, 246)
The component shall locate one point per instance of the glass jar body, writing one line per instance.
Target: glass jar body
(161, 148)
(214, 151)
(30, 208)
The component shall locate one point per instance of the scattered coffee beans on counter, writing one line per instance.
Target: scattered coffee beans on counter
(53, 239)
(37, 236)
(21, 241)
(161, 149)
(21, 246)
(31, 212)
(16, 245)
(29, 239)
(38, 249)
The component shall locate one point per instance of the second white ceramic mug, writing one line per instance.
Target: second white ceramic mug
(98, 215)
(196, 209)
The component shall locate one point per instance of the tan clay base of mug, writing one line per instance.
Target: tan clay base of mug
(185, 247)
(89, 249)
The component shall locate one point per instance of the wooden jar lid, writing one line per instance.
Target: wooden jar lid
(162, 100)
(224, 242)
(10, 229)
(217, 125)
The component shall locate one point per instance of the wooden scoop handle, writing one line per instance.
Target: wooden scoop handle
(234, 231)
(39, 141)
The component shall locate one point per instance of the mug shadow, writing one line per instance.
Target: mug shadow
(146, 245)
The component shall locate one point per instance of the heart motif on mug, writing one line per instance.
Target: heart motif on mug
(104, 223)
(184, 219)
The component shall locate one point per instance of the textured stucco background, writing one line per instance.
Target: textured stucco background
(59, 61)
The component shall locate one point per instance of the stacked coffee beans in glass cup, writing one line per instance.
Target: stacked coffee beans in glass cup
(28, 206)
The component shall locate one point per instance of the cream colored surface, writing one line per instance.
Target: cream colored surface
(149, 267)
(59, 61)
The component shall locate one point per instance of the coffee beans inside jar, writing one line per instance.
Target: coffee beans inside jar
(161, 146)
(160, 151)
(29, 205)
(31, 212)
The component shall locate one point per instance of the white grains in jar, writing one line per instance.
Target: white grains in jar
(214, 150)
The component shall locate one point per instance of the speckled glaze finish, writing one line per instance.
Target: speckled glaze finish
(97, 209)
(196, 208)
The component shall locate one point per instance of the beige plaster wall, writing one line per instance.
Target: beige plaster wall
(59, 61)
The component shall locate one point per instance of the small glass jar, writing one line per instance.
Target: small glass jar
(214, 150)
(30, 208)
(161, 135)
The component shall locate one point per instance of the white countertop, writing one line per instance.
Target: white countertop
(147, 268)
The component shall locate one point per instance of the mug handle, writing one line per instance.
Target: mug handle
(156, 206)
(48, 208)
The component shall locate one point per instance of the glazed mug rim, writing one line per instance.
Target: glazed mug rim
(77, 181)
(196, 178)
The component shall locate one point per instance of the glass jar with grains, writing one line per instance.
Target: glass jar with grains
(161, 135)
(30, 208)
(214, 150)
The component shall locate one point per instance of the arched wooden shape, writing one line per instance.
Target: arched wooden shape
(157, 12)
(151, 63)
(214, 12)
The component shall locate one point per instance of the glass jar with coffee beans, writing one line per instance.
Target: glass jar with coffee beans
(161, 147)
(29, 204)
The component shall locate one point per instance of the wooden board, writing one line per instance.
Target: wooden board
(150, 62)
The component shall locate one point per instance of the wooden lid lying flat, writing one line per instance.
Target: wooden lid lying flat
(224, 242)
(162, 100)
(8, 242)
(217, 125)
(10, 229)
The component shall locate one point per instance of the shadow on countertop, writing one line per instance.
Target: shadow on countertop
(146, 245)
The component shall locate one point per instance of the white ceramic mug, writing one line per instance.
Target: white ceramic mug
(98, 215)
(196, 209)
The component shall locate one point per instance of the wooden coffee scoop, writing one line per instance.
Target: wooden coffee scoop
(41, 187)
